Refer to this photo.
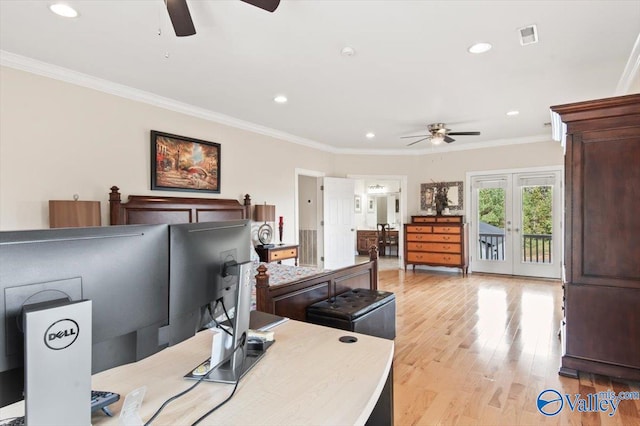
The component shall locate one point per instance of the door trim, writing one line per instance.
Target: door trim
(403, 206)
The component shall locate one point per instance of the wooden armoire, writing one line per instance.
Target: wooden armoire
(601, 325)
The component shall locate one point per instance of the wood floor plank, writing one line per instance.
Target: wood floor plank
(479, 350)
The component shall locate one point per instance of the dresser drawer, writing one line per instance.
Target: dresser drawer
(435, 247)
(445, 238)
(419, 229)
(441, 258)
(446, 229)
(453, 219)
(284, 254)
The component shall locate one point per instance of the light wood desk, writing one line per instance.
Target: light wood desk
(307, 377)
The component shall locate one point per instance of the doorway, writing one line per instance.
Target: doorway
(516, 223)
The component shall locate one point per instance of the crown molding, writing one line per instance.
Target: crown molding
(430, 150)
(45, 69)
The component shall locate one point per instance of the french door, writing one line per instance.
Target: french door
(516, 223)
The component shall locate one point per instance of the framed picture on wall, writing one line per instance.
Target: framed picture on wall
(358, 204)
(179, 163)
(371, 205)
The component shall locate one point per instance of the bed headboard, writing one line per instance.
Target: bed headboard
(151, 209)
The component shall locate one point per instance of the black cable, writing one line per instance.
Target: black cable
(200, 380)
(215, 321)
(235, 387)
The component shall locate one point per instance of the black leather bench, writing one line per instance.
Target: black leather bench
(360, 310)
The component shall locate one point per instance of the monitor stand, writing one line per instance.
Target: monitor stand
(241, 359)
(224, 373)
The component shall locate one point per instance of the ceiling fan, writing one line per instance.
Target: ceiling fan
(181, 18)
(439, 133)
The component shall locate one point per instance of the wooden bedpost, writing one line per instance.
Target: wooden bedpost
(263, 301)
(247, 206)
(373, 256)
(114, 206)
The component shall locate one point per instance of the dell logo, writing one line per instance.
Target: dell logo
(61, 334)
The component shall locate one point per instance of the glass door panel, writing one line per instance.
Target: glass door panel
(491, 202)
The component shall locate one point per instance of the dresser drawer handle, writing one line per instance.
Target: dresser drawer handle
(446, 229)
(447, 238)
(446, 247)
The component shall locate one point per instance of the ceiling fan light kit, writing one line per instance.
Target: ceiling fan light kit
(438, 133)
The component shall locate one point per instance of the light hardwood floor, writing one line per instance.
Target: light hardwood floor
(479, 350)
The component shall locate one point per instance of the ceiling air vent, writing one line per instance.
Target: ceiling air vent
(528, 35)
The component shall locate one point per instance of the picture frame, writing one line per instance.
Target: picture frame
(180, 163)
(371, 206)
(358, 204)
(455, 194)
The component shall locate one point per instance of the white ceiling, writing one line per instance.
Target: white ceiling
(411, 66)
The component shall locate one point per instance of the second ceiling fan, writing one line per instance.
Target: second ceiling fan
(181, 17)
(439, 133)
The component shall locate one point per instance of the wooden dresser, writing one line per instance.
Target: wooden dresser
(366, 240)
(601, 325)
(436, 241)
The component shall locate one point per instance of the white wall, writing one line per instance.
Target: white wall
(59, 139)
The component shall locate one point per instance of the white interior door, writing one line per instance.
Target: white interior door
(338, 222)
(516, 223)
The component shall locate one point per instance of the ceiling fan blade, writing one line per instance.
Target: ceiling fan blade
(447, 139)
(414, 136)
(464, 133)
(268, 5)
(419, 140)
(180, 17)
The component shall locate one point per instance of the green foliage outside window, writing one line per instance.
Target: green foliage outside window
(491, 206)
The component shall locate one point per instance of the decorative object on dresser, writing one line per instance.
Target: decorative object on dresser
(601, 326)
(72, 214)
(454, 195)
(265, 213)
(436, 241)
(271, 253)
(179, 163)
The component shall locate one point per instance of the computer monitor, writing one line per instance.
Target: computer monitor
(203, 273)
(122, 269)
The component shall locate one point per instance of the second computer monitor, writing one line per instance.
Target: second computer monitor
(203, 259)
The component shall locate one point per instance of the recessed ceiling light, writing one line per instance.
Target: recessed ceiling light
(63, 10)
(480, 48)
(370, 135)
(280, 99)
(513, 113)
(348, 51)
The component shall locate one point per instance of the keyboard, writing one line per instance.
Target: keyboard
(100, 400)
